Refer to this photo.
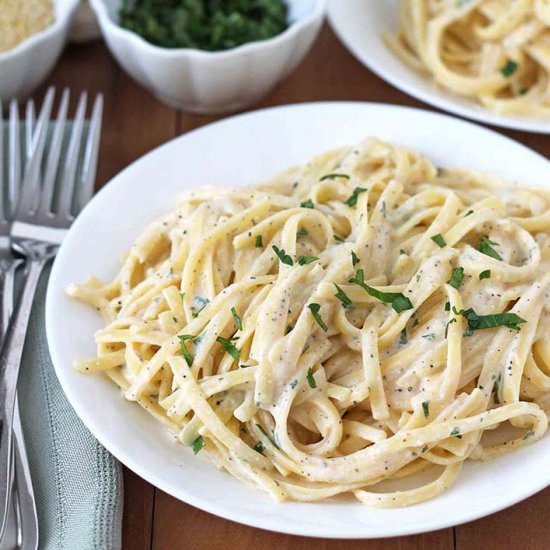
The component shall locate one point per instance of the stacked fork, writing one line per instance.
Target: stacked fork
(58, 181)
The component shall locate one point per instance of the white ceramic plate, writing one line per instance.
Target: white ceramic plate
(247, 149)
(360, 25)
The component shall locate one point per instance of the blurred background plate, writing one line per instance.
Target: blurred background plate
(360, 25)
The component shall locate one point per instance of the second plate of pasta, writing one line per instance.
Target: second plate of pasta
(480, 59)
(337, 308)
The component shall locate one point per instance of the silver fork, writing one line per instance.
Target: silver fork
(40, 224)
(22, 512)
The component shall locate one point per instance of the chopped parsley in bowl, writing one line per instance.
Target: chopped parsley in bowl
(210, 25)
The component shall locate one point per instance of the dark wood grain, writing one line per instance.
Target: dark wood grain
(134, 124)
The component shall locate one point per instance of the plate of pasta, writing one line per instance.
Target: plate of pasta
(487, 60)
(322, 319)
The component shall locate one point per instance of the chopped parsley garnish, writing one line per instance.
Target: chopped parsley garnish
(304, 260)
(311, 379)
(343, 297)
(294, 383)
(455, 432)
(485, 246)
(354, 258)
(457, 277)
(197, 445)
(307, 204)
(259, 241)
(282, 255)
(439, 240)
(528, 434)
(229, 347)
(339, 239)
(398, 300)
(302, 232)
(509, 69)
(352, 199)
(485, 274)
(496, 389)
(271, 439)
(334, 176)
(479, 322)
(403, 337)
(430, 336)
(447, 306)
(186, 353)
(315, 311)
(204, 24)
(259, 447)
(453, 320)
(202, 302)
(426, 408)
(237, 319)
(469, 213)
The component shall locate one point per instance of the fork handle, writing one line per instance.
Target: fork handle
(10, 360)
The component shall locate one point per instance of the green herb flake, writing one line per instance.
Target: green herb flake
(339, 239)
(186, 353)
(398, 301)
(311, 379)
(403, 339)
(354, 258)
(469, 213)
(229, 347)
(485, 246)
(528, 434)
(304, 260)
(439, 240)
(447, 306)
(457, 277)
(237, 319)
(485, 274)
(496, 389)
(352, 199)
(271, 439)
(455, 432)
(334, 176)
(302, 232)
(493, 320)
(453, 320)
(282, 255)
(202, 303)
(509, 69)
(294, 383)
(426, 408)
(259, 447)
(315, 311)
(307, 204)
(430, 336)
(259, 241)
(343, 297)
(197, 445)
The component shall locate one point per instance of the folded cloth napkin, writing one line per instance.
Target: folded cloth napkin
(77, 483)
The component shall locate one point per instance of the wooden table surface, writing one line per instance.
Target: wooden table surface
(134, 123)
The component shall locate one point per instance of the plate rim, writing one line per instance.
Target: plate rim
(190, 497)
(484, 116)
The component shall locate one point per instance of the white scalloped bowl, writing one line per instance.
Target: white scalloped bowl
(212, 82)
(24, 68)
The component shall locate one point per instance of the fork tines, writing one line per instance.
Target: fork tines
(60, 176)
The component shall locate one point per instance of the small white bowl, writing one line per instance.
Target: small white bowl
(24, 67)
(212, 82)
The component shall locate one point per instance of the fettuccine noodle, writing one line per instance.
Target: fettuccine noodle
(494, 51)
(361, 321)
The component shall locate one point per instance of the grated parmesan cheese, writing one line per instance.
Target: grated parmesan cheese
(20, 19)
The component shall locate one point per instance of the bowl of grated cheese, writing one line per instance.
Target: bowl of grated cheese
(32, 36)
